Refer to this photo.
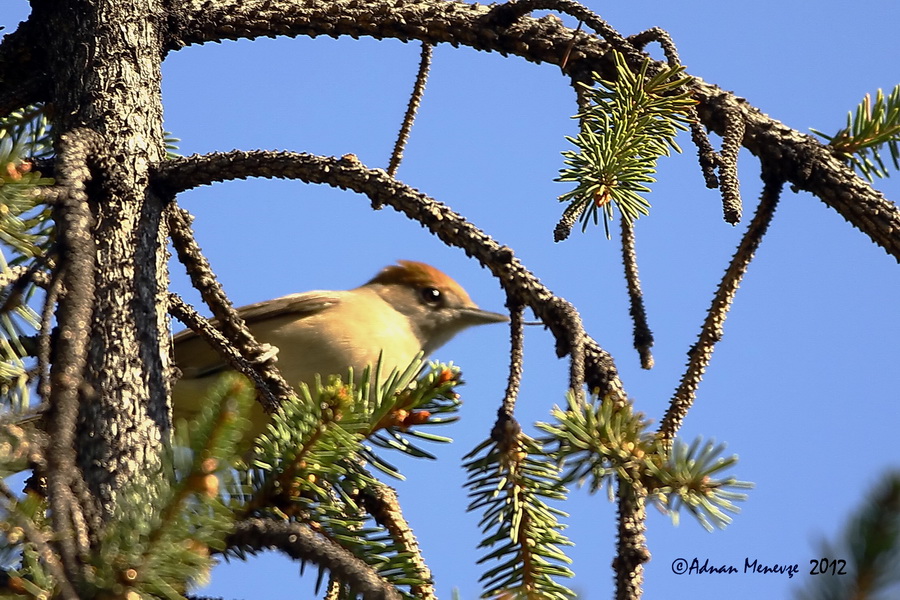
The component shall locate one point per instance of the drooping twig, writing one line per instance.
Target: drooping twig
(566, 222)
(516, 356)
(712, 329)
(705, 152)
(44, 346)
(728, 179)
(414, 100)
(506, 412)
(298, 541)
(643, 337)
(706, 155)
(572, 212)
(228, 320)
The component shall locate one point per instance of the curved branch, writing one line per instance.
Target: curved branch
(429, 21)
(804, 162)
(177, 175)
(299, 542)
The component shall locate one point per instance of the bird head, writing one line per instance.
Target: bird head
(437, 306)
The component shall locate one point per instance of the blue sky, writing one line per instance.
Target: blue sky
(804, 385)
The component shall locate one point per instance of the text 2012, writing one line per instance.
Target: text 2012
(826, 566)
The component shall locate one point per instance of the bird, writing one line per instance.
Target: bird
(407, 308)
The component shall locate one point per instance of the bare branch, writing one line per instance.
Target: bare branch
(661, 37)
(228, 320)
(506, 14)
(805, 163)
(706, 155)
(516, 356)
(631, 541)
(260, 373)
(520, 284)
(298, 541)
(414, 100)
(727, 160)
(643, 337)
(712, 330)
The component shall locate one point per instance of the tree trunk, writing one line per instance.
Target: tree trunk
(103, 63)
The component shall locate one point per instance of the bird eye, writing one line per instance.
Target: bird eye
(430, 295)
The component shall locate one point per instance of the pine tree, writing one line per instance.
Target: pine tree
(119, 504)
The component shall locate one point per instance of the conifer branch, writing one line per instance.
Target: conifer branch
(628, 124)
(511, 481)
(299, 542)
(508, 13)
(874, 126)
(806, 164)
(381, 502)
(631, 540)
(869, 549)
(260, 376)
(50, 558)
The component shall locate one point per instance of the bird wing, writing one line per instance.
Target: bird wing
(196, 359)
(301, 305)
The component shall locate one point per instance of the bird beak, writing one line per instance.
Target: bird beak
(476, 316)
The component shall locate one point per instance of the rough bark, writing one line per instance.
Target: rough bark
(102, 62)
